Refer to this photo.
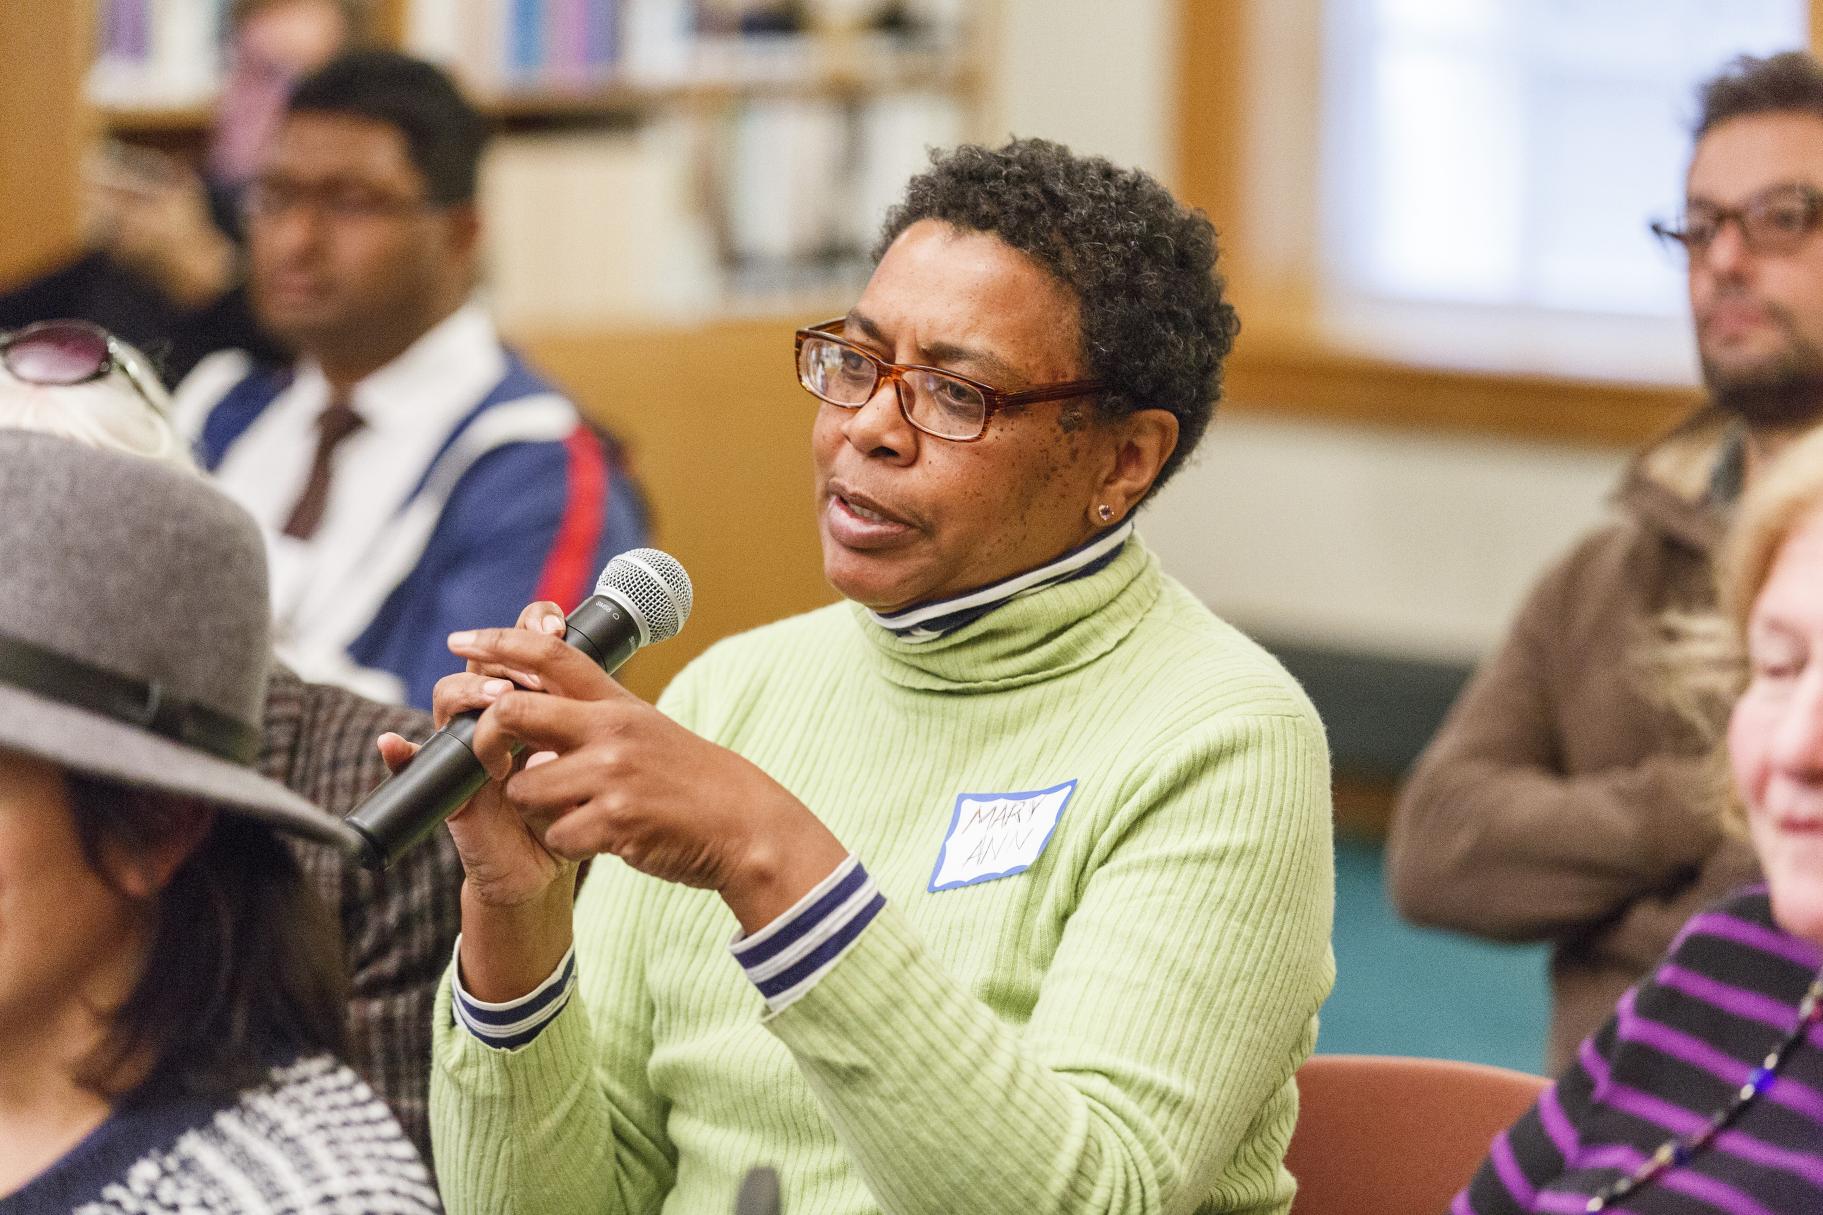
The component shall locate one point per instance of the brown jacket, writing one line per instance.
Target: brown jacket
(398, 927)
(1558, 801)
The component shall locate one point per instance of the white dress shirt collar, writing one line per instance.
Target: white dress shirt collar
(438, 378)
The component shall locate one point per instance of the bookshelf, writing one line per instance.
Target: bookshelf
(721, 443)
(41, 136)
(827, 72)
(752, 144)
(820, 68)
(809, 66)
(188, 122)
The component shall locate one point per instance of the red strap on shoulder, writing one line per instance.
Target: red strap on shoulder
(569, 570)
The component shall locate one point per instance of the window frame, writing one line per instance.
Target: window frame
(1248, 143)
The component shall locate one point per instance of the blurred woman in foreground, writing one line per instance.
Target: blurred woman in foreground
(76, 381)
(170, 992)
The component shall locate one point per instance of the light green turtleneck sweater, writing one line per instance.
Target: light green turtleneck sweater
(1115, 1029)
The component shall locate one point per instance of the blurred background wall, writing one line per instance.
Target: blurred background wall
(1433, 218)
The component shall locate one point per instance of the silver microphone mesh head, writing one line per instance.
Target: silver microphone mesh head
(653, 586)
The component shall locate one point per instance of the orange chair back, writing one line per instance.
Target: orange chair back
(1396, 1136)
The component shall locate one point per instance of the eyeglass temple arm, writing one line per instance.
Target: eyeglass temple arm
(1053, 392)
(144, 380)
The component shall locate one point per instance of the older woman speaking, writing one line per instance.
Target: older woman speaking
(1005, 885)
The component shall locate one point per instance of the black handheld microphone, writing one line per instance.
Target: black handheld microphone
(643, 597)
(759, 1193)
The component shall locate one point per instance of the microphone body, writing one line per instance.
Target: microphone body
(627, 611)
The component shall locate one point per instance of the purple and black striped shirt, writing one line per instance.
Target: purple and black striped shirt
(1677, 1049)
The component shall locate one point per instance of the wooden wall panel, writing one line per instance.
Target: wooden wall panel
(43, 129)
(720, 433)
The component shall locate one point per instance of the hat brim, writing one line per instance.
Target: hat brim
(81, 741)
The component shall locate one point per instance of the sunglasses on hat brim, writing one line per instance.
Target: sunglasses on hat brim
(64, 353)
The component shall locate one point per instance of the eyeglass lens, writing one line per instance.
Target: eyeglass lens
(1773, 222)
(270, 198)
(57, 353)
(942, 405)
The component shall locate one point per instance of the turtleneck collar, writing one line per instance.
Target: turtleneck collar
(1054, 621)
(926, 622)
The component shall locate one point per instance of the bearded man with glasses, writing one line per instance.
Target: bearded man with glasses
(1004, 885)
(1563, 800)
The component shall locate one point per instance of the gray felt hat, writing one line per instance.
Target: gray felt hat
(134, 631)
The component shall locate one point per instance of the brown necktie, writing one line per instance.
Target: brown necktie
(336, 423)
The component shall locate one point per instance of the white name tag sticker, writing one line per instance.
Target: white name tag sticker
(995, 835)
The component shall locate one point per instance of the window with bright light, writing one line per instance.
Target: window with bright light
(1507, 154)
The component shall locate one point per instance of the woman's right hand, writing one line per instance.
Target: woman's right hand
(504, 863)
(517, 896)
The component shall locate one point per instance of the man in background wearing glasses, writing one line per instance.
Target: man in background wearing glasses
(1562, 800)
(412, 474)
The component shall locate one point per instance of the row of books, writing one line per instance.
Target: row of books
(775, 193)
(523, 44)
(540, 46)
(543, 44)
(153, 53)
(157, 52)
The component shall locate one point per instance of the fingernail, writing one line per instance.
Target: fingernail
(551, 624)
(528, 680)
(496, 687)
(466, 637)
(540, 757)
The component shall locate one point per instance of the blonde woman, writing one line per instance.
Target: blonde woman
(1704, 1091)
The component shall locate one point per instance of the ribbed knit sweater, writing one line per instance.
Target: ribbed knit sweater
(1113, 1029)
(1679, 1048)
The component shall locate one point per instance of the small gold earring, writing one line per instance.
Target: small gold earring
(1105, 512)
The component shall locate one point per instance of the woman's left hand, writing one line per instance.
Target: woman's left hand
(627, 780)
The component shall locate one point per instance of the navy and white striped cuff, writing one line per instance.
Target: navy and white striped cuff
(787, 957)
(512, 1023)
